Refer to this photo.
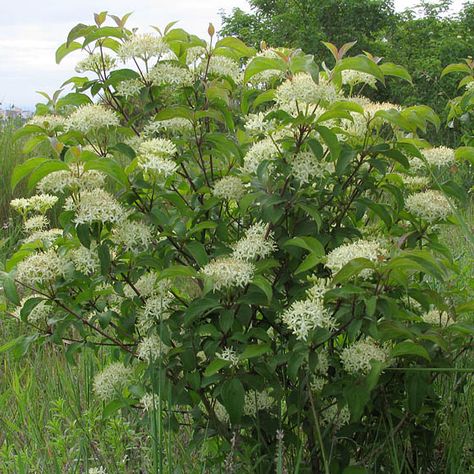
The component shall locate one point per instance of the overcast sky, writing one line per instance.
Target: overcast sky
(31, 30)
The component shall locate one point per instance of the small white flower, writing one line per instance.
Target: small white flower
(230, 355)
(112, 380)
(40, 268)
(151, 348)
(430, 205)
(228, 272)
(437, 318)
(87, 118)
(255, 244)
(357, 358)
(229, 187)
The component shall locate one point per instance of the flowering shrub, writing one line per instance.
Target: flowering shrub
(254, 240)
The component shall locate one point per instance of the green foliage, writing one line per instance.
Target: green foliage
(259, 267)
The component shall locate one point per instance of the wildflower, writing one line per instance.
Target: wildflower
(194, 54)
(132, 235)
(415, 183)
(357, 358)
(39, 313)
(264, 150)
(429, 205)
(97, 470)
(173, 125)
(129, 88)
(256, 401)
(333, 415)
(157, 166)
(340, 256)
(168, 74)
(255, 244)
(437, 318)
(269, 75)
(148, 285)
(156, 309)
(143, 47)
(150, 401)
(230, 355)
(257, 123)
(48, 121)
(229, 187)
(351, 78)
(153, 156)
(35, 223)
(46, 237)
(85, 260)
(224, 66)
(306, 166)
(40, 268)
(440, 156)
(306, 315)
(96, 62)
(228, 272)
(112, 380)
(90, 117)
(301, 92)
(151, 348)
(39, 203)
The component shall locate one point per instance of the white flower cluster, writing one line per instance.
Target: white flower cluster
(440, 156)
(87, 118)
(229, 187)
(319, 378)
(255, 244)
(151, 348)
(351, 78)
(40, 313)
(143, 46)
(223, 66)
(39, 203)
(415, 183)
(112, 380)
(36, 223)
(437, 318)
(74, 179)
(228, 272)
(264, 150)
(95, 206)
(306, 165)
(229, 355)
(302, 93)
(150, 401)
(172, 125)
(97, 470)
(168, 74)
(195, 54)
(257, 401)
(256, 124)
(148, 285)
(335, 416)
(429, 205)
(156, 309)
(50, 122)
(40, 268)
(46, 237)
(85, 260)
(340, 256)
(132, 235)
(306, 315)
(357, 358)
(154, 156)
(96, 62)
(129, 88)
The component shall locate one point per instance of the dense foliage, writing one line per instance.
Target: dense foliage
(425, 40)
(257, 244)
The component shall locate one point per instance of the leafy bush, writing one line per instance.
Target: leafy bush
(257, 246)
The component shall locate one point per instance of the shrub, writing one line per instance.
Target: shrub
(252, 240)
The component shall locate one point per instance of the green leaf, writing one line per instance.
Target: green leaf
(390, 69)
(22, 170)
(177, 271)
(83, 234)
(261, 282)
(465, 153)
(45, 169)
(73, 98)
(459, 67)
(9, 289)
(215, 366)
(254, 350)
(65, 49)
(198, 308)
(308, 263)
(104, 32)
(236, 45)
(233, 399)
(409, 348)
(111, 168)
(353, 268)
(198, 251)
(331, 141)
(261, 64)
(417, 385)
(308, 243)
(362, 64)
(104, 258)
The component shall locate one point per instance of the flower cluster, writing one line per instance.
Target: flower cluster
(133, 236)
(437, 318)
(335, 416)
(112, 380)
(228, 272)
(41, 268)
(357, 358)
(96, 62)
(76, 178)
(256, 401)
(223, 66)
(369, 249)
(440, 156)
(352, 78)
(257, 243)
(168, 74)
(151, 348)
(230, 355)
(143, 46)
(49, 121)
(85, 260)
(229, 187)
(129, 88)
(88, 118)
(305, 166)
(430, 205)
(39, 203)
(264, 150)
